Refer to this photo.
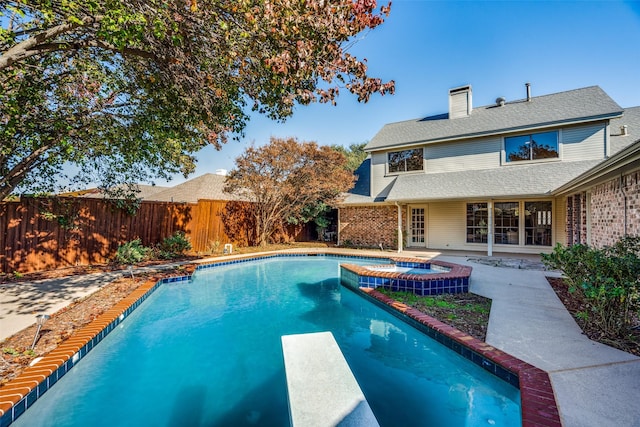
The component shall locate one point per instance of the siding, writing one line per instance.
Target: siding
(481, 153)
(560, 221)
(380, 184)
(447, 226)
(583, 142)
(586, 142)
(447, 229)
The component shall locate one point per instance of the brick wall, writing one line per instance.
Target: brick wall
(608, 209)
(577, 218)
(369, 226)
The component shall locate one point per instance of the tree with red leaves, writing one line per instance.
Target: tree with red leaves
(284, 179)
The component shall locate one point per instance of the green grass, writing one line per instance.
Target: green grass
(442, 301)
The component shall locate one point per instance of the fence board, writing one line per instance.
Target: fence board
(46, 233)
(31, 240)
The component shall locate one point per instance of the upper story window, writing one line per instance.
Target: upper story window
(535, 146)
(405, 160)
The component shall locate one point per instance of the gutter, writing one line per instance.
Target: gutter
(400, 236)
(622, 158)
(624, 195)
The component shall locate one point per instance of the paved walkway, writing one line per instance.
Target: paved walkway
(20, 302)
(595, 385)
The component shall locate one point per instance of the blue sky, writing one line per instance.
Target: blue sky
(429, 47)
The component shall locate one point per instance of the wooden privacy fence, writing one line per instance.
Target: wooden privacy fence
(45, 233)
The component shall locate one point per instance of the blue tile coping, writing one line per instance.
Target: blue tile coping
(450, 278)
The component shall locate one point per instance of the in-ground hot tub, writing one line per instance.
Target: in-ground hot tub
(422, 277)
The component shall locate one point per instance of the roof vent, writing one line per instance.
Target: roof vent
(528, 85)
(624, 130)
(500, 101)
(460, 102)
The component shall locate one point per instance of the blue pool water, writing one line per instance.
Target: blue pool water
(405, 270)
(208, 353)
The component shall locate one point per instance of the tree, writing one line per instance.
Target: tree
(129, 90)
(354, 153)
(284, 178)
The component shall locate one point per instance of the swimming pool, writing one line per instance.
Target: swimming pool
(207, 352)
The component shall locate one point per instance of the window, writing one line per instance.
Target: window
(537, 223)
(405, 161)
(506, 222)
(477, 222)
(536, 146)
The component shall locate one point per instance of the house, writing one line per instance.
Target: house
(208, 186)
(143, 192)
(486, 179)
(603, 204)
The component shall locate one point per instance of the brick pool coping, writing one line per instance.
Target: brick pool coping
(538, 403)
(19, 394)
(453, 278)
(455, 270)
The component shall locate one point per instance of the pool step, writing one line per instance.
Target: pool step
(322, 389)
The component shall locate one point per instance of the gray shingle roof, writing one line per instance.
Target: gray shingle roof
(208, 186)
(579, 105)
(146, 192)
(631, 118)
(363, 179)
(508, 181)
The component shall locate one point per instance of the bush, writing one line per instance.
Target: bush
(607, 280)
(131, 252)
(174, 245)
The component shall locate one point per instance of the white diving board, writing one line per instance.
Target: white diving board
(321, 387)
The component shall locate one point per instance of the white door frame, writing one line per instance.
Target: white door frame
(410, 226)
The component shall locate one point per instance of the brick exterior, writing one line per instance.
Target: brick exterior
(368, 226)
(608, 208)
(577, 218)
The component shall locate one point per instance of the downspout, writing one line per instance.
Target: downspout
(338, 230)
(625, 202)
(490, 229)
(399, 228)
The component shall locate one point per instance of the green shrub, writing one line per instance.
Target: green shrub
(174, 245)
(131, 252)
(607, 280)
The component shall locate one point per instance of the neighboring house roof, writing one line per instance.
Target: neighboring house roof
(146, 192)
(631, 119)
(208, 186)
(627, 158)
(532, 180)
(574, 106)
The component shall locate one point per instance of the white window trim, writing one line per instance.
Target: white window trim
(386, 164)
(503, 150)
(521, 225)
